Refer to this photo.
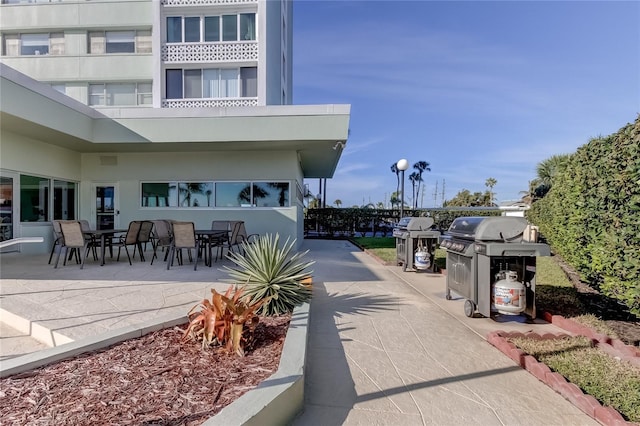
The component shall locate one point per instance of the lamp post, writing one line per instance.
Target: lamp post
(402, 165)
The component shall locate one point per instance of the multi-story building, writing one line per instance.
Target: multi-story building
(174, 109)
(160, 53)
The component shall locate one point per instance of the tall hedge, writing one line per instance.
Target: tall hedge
(591, 215)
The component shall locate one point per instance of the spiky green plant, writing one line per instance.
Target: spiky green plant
(268, 270)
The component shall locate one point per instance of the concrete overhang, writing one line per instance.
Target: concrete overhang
(318, 133)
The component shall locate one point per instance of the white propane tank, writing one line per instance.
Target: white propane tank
(422, 260)
(509, 295)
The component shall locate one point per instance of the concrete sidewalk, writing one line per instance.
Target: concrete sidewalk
(384, 348)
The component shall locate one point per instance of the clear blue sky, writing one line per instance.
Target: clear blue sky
(478, 89)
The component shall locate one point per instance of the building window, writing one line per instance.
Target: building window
(212, 83)
(132, 41)
(34, 44)
(159, 194)
(64, 200)
(120, 94)
(211, 28)
(34, 198)
(215, 194)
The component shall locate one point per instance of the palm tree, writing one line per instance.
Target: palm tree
(551, 167)
(394, 169)
(338, 203)
(415, 179)
(420, 166)
(395, 199)
(490, 183)
(189, 189)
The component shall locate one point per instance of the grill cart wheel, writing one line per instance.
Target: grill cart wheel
(469, 308)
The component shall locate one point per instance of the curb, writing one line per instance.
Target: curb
(276, 400)
(586, 403)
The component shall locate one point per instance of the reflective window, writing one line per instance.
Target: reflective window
(34, 199)
(174, 84)
(212, 28)
(64, 200)
(195, 194)
(229, 27)
(233, 194)
(271, 194)
(192, 29)
(120, 94)
(6, 208)
(174, 29)
(159, 194)
(248, 26)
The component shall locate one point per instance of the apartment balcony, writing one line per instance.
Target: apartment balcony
(232, 51)
(206, 2)
(208, 103)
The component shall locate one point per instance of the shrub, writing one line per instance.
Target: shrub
(228, 320)
(270, 271)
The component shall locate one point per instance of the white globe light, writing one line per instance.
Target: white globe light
(402, 164)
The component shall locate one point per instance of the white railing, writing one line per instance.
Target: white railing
(210, 52)
(208, 103)
(7, 243)
(205, 2)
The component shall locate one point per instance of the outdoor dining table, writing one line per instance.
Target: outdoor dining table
(103, 234)
(210, 237)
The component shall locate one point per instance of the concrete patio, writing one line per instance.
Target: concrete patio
(384, 346)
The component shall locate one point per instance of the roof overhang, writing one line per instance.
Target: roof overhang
(318, 133)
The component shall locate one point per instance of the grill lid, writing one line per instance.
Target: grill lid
(493, 228)
(415, 223)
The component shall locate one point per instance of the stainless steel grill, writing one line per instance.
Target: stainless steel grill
(489, 253)
(414, 236)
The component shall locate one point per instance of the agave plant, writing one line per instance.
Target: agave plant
(270, 271)
(228, 320)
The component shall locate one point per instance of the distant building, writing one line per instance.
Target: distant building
(172, 109)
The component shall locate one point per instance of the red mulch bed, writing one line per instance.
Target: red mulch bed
(156, 379)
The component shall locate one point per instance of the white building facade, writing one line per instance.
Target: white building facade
(172, 109)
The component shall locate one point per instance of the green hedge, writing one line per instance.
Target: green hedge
(591, 215)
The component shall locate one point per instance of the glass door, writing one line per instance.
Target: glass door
(6, 208)
(106, 206)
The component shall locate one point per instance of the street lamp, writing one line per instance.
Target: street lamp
(402, 165)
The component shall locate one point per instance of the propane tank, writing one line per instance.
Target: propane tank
(509, 294)
(422, 259)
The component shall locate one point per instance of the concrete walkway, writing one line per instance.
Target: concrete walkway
(385, 347)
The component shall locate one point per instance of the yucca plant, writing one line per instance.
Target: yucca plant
(228, 320)
(273, 272)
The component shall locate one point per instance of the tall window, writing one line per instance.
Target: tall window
(34, 199)
(64, 200)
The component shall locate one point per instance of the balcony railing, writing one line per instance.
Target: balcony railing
(208, 103)
(210, 52)
(205, 2)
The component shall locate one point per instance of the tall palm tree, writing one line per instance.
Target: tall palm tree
(415, 179)
(420, 166)
(490, 183)
(394, 169)
(338, 203)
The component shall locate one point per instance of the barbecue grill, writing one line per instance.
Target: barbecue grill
(415, 242)
(491, 261)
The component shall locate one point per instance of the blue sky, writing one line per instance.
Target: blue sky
(478, 89)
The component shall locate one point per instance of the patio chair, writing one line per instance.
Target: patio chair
(91, 239)
(161, 237)
(73, 238)
(57, 238)
(239, 235)
(144, 236)
(220, 241)
(184, 237)
(129, 239)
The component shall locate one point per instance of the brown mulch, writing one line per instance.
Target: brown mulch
(156, 379)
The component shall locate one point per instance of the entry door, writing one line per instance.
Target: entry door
(106, 206)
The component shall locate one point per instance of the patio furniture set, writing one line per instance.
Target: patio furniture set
(77, 240)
